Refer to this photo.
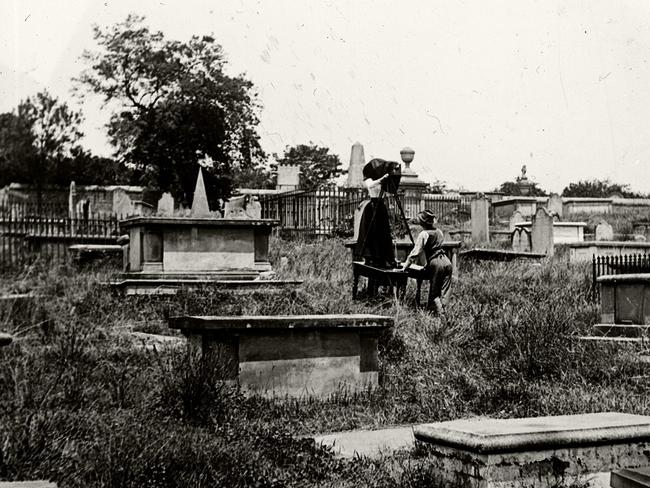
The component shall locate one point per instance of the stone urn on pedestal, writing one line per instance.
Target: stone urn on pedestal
(524, 183)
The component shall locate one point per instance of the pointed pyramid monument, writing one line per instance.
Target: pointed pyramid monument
(355, 171)
(200, 207)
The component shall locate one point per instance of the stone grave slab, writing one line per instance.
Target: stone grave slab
(296, 356)
(537, 452)
(368, 443)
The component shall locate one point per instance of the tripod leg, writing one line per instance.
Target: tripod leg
(401, 209)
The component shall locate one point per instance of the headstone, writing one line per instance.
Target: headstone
(166, 205)
(554, 205)
(200, 207)
(122, 204)
(521, 240)
(480, 207)
(357, 162)
(288, 177)
(604, 232)
(516, 218)
(243, 207)
(542, 233)
(72, 197)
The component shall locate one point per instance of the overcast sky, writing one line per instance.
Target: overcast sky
(477, 87)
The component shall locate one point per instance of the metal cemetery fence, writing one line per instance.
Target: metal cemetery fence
(24, 234)
(330, 211)
(613, 265)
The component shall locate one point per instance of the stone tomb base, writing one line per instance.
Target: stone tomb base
(537, 452)
(296, 356)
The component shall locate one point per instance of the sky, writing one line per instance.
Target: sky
(476, 87)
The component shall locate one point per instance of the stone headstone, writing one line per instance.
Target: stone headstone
(166, 205)
(516, 218)
(288, 177)
(521, 240)
(243, 207)
(480, 207)
(357, 162)
(122, 204)
(541, 238)
(604, 232)
(554, 205)
(200, 207)
(72, 199)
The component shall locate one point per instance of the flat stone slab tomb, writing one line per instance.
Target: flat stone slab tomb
(295, 356)
(537, 452)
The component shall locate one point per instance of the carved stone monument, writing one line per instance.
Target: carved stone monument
(355, 171)
(168, 252)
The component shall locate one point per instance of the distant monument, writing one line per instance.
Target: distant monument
(524, 183)
(355, 171)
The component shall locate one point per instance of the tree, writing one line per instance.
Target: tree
(597, 189)
(317, 167)
(178, 108)
(37, 137)
(512, 188)
(16, 148)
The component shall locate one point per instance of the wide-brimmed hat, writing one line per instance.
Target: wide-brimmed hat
(426, 217)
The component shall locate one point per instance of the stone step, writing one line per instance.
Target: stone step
(368, 443)
(622, 330)
(631, 478)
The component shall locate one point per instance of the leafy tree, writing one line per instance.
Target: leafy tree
(512, 188)
(37, 137)
(16, 148)
(177, 108)
(317, 167)
(598, 189)
(437, 186)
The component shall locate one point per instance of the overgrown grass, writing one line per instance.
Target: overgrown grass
(80, 403)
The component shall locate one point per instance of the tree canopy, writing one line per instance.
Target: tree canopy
(598, 189)
(317, 166)
(512, 188)
(176, 108)
(39, 145)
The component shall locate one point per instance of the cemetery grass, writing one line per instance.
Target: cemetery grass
(84, 404)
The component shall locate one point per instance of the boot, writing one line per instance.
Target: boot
(439, 308)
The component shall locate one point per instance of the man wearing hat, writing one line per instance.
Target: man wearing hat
(429, 253)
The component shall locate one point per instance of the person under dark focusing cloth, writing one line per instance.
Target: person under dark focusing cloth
(429, 253)
(374, 241)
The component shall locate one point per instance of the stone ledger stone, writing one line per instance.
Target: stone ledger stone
(296, 356)
(537, 452)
